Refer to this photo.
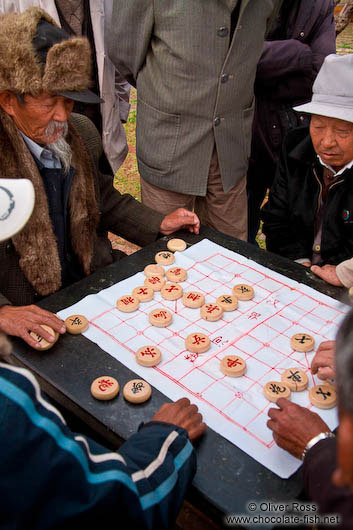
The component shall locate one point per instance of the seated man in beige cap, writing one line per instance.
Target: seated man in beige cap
(42, 73)
(309, 215)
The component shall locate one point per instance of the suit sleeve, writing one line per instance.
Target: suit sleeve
(319, 465)
(68, 481)
(125, 216)
(119, 213)
(122, 91)
(129, 36)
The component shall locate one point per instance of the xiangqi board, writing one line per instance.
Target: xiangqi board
(259, 331)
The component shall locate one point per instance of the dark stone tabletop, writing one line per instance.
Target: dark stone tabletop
(227, 478)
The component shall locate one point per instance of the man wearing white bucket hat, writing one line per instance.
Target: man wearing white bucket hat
(65, 480)
(309, 215)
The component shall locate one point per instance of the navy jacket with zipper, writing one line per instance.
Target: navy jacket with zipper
(289, 215)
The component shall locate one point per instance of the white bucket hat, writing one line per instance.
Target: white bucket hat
(16, 205)
(333, 89)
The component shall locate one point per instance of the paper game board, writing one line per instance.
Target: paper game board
(259, 331)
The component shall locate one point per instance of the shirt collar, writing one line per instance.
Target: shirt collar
(347, 166)
(44, 155)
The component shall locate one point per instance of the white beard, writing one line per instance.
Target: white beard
(60, 148)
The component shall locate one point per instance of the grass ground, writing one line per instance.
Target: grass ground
(344, 42)
(127, 179)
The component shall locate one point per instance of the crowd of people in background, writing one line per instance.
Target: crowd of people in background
(237, 99)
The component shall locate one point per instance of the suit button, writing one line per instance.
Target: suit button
(222, 31)
(317, 248)
(302, 34)
(217, 121)
(224, 78)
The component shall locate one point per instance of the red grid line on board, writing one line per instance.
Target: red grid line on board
(180, 384)
(238, 315)
(199, 396)
(220, 412)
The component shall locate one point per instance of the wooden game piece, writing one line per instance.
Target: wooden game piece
(193, 299)
(227, 302)
(76, 324)
(127, 303)
(155, 282)
(176, 274)
(43, 344)
(243, 291)
(164, 258)
(172, 291)
(176, 245)
(211, 312)
(148, 356)
(159, 317)
(197, 342)
(295, 379)
(302, 342)
(143, 293)
(323, 396)
(153, 270)
(105, 388)
(137, 391)
(233, 366)
(274, 390)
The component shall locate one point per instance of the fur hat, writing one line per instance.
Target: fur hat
(37, 56)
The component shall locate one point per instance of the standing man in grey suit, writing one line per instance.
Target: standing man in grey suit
(193, 63)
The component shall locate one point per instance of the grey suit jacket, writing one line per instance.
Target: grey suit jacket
(195, 87)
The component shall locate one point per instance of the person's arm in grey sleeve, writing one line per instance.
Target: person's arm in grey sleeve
(129, 36)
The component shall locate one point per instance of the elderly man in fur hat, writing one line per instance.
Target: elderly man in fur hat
(42, 73)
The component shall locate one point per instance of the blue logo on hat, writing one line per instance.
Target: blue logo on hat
(10, 206)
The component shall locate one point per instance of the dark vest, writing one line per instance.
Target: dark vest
(57, 186)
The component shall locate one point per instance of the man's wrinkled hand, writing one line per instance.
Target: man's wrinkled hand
(19, 321)
(327, 273)
(323, 364)
(179, 219)
(294, 426)
(182, 414)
